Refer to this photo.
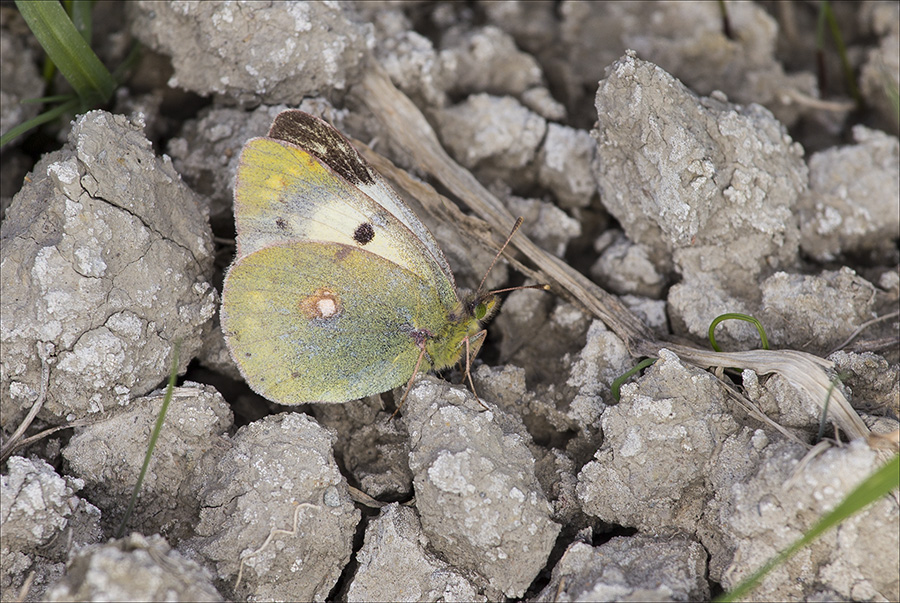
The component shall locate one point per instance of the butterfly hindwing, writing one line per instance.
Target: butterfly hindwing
(318, 334)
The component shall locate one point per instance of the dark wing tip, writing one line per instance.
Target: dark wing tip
(321, 139)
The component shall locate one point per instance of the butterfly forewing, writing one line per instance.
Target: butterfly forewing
(309, 202)
(332, 148)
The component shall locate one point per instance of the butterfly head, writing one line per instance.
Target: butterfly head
(481, 306)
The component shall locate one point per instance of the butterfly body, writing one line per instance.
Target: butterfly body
(338, 291)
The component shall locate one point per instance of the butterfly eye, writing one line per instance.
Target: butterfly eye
(480, 311)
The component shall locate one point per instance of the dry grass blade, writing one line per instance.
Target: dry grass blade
(412, 131)
(362, 498)
(805, 372)
(863, 327)
(409, 128)
(754, 412)
(440, 207)
(44, 351)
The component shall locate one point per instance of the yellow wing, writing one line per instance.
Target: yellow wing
(332, 148)
(324, 191)
(324, 322)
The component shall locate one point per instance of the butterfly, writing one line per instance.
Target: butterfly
(338, 291)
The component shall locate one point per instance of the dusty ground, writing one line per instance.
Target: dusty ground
(688, 170)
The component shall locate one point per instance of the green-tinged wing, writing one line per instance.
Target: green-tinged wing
(326, 322)
(283, 194)
(318, 137)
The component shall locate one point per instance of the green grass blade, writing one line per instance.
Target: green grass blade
(736, 316)
(879, 484)
(43, 118)
(81, 12)
(64, 45)
(846, 67)
(157, 429)
(134, 55)
(621, 379)
(891, 92)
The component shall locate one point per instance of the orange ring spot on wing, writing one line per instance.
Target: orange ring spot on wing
(323, 304)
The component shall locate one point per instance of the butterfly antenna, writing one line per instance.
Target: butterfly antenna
(541, 287)
(515, 227)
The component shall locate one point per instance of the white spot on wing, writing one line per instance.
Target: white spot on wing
(326, 307)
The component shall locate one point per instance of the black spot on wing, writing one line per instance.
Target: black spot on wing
(280, 223)
(364, 233)
(319, 138)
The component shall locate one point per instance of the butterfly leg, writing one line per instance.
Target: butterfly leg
(411, 379)
(469, 355)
